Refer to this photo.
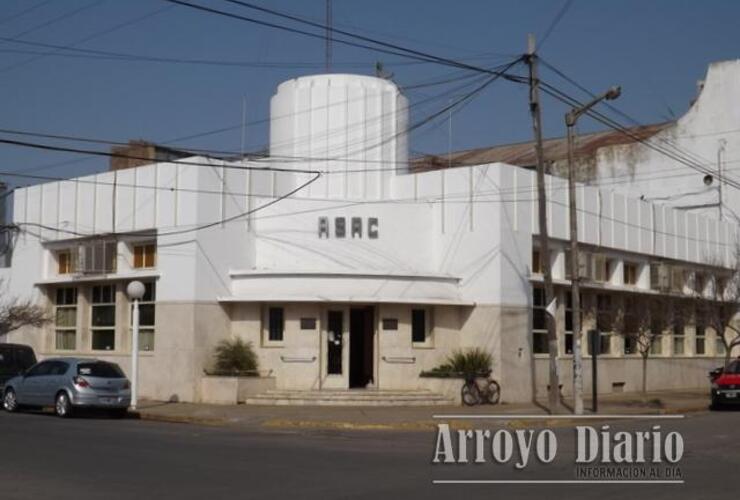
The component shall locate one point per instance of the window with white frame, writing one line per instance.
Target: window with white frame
(569, 321)
(65, 318)
(539, 321)
(700, 346)
(147, 315)
(103, 317)
(631, 326)
(719, 344)
(97, 257)
(604, 320)
(656, 330)
(679, 334)
(421, 325)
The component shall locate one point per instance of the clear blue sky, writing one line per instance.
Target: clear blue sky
(655, 49)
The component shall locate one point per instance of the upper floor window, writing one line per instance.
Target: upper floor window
(145, 255)
(536, 261)
(630, 273)
(678, 279)
(699, 283)
(65, 262)
(602, 268)
(98, 257)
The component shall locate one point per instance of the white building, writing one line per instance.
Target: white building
(363, 278)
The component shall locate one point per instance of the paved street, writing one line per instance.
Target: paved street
(46, 457)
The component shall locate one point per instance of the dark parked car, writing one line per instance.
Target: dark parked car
(68, 384)
(14, 360)
(726, 385)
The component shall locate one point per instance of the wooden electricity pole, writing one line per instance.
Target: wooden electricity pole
(552, 338)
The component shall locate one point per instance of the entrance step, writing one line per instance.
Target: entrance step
(352, 397)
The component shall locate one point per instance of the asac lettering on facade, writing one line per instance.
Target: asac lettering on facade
(358, 227)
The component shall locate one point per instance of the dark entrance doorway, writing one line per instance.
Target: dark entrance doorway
(361, 322)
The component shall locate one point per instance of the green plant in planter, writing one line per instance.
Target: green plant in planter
(235, 357)
(469, 362)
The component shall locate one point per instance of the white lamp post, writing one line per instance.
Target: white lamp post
(135, 291)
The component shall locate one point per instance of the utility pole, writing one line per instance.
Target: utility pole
(575, 279)
(571, 118)
(552, 338)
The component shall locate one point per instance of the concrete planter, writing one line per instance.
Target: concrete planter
(449, 387)
(232, 390)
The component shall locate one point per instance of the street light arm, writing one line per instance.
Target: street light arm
(571, 117)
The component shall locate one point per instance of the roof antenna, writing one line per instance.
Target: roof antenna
(328, 35)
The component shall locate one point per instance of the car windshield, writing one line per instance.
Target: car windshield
(733, 368)
(100, 369)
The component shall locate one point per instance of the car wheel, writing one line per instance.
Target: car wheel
(494, 392)
(715, 405)
(62, 405)
(470, 395)
(10, 402)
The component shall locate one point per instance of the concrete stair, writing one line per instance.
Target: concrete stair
(348, 397)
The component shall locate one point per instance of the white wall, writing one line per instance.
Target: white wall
(637, 170)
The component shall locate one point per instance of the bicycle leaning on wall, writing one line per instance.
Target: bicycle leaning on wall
(480, 388)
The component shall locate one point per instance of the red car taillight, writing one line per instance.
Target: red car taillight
(80, 382)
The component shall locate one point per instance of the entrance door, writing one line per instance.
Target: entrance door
(334, 340)
(361, 321)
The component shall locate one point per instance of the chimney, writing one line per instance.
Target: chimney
(138, 153)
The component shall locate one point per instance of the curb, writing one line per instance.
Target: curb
(413, 426)
(179, 419)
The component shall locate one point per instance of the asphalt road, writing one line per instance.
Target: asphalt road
(89, 458)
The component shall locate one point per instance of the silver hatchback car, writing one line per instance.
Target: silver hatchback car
(70, 383)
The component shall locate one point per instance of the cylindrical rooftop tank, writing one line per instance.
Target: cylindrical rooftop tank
(351, 127)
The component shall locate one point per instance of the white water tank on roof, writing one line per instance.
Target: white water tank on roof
(352, 127)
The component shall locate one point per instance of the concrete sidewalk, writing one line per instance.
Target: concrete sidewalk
(407, 418)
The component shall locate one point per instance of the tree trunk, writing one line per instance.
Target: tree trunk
(644, 374)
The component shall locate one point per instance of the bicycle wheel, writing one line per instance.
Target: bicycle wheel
(470, 394)
(494, 392)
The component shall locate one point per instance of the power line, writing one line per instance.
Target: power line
(397, 49)
(680, 154)
(558, 17)
(600, 117)
(24, 12)
(58, 18)
(97, 34)
(200, 227)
